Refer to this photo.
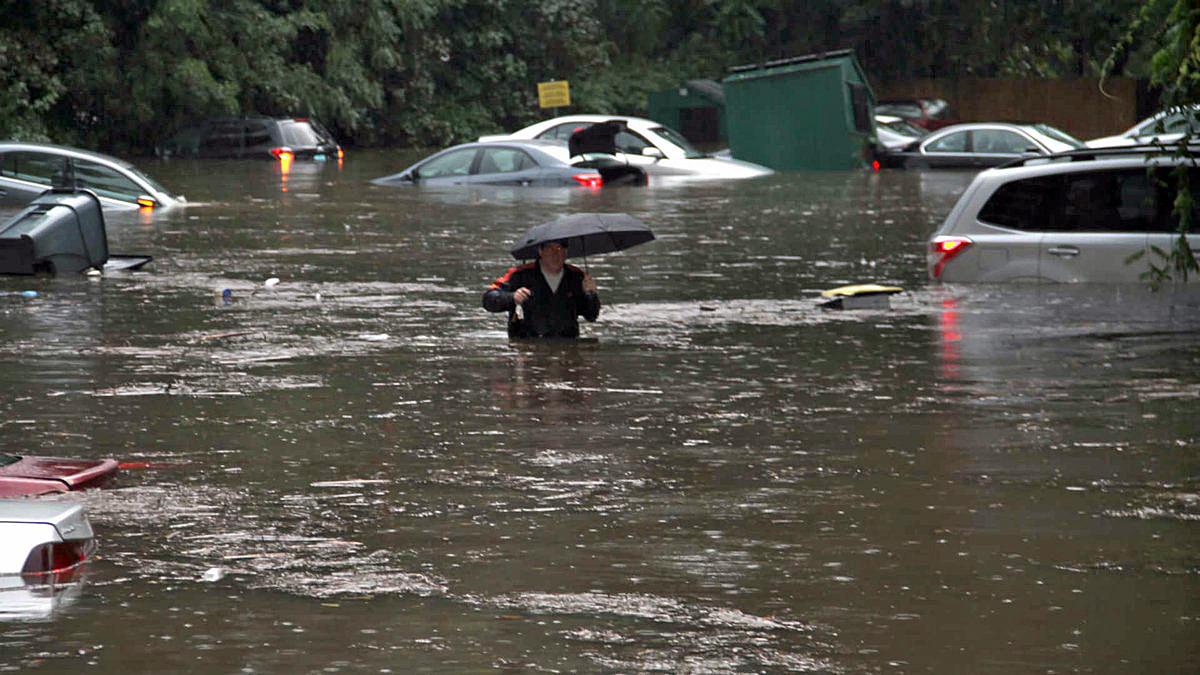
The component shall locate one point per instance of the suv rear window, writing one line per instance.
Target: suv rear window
(1125, 200)
(299, 135)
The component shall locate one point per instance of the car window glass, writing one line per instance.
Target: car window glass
(223, 136)
(677, 138)
(903, 128)
(454, 163)
(321, 132)
(298, 135)
(503, 160)
(1177, 123)
(35, 167)
(630, 142)
(1000, 142)
(1023, 204)
(563, 132)
(955, 142)
(1059, 135)
(909, 110)
(257, 134)
(1092, 202)
(105, 181)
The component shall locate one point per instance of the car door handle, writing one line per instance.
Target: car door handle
(1063, 251)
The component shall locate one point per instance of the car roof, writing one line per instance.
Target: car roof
(1089, 158)
(242, 118)
(535, 143)
(966, 126)
(17, 146)
(549, 149)
(636, 121)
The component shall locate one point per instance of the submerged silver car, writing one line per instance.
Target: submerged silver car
(1166, 127)
(29, 169)
(533, 163)
(1073, 217)
(981, 144)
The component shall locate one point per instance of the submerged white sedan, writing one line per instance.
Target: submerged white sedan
(657, 149)
(29, 169)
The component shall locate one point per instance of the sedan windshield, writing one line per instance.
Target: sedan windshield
(904, 128)
(149, 181)
(1059, 135)
(678, 139)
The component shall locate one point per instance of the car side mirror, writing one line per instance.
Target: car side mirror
(147, 201)
(411, 176)
(1032, 151)
(650, 151)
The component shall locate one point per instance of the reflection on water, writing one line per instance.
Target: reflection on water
(353, 469)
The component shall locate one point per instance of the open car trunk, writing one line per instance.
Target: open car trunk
(596, 147)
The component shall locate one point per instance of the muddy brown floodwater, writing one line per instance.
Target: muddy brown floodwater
(355, 471)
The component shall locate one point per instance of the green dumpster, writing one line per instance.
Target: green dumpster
(811, 112)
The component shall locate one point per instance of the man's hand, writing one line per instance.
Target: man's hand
(589, 284)
(522, 294)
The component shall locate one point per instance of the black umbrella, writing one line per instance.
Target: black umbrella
(585, 234)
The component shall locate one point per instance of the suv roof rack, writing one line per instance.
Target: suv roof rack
(1192, 149)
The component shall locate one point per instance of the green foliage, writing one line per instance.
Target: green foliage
(1172, 28)
(122, 76)
(45, 90)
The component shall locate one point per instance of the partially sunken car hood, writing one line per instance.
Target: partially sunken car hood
(73, 473)
(600, 137)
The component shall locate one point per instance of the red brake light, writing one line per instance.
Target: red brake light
(875, 166)
(947, 248)
(57, 557)
(590, 180)
(282, 153)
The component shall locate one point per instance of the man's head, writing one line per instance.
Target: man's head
(552, 255)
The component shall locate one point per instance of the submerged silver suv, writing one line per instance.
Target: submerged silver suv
(1072, 217)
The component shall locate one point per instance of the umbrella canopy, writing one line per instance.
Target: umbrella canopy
(585, 234)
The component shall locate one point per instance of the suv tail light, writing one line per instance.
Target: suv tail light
(58, 557)
(590, 180)
(284, 153)
(944, 248)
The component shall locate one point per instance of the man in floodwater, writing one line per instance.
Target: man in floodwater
(545, 298)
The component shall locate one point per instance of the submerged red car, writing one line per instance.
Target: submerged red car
(29, 476)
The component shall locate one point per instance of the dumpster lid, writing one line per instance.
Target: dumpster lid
(807, 58)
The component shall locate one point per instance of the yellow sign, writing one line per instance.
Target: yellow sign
(554, 94)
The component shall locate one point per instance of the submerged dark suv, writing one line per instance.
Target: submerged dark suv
(254, 137)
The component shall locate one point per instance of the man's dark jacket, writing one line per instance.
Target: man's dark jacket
(547, 313)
